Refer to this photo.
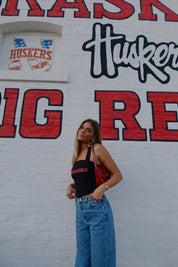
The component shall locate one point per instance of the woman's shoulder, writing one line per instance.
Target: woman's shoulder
(99, 148)
(101, 153)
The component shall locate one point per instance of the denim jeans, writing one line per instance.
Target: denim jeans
(95, 233)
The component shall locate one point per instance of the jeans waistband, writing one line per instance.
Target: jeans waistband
(84, 199)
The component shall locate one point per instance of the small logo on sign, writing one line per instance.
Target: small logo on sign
(37, 57)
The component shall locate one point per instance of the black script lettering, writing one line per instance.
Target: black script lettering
(110, 51)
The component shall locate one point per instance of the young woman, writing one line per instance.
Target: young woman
(94, 219)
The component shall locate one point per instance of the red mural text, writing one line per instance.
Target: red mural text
(8, 129)
(132, 131)
(162, 117)
(29, 126)
(100, 10)
(39, 115)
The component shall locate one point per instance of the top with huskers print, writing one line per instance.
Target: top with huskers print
(83, 174)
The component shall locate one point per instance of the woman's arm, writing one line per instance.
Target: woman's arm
(103, 157)
(70, 192)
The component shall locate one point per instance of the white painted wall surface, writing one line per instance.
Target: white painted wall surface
(37, 221)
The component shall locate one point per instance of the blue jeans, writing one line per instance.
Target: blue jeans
(95, 233)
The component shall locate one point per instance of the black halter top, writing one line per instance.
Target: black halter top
(83, 175)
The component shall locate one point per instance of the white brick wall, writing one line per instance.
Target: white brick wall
(37, 221)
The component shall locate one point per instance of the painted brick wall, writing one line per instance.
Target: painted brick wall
(37, 222)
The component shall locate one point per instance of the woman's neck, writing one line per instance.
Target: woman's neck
(83, 146)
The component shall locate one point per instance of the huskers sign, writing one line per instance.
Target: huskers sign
(109, 51)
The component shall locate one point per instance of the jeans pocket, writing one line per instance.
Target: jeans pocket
(95, 205)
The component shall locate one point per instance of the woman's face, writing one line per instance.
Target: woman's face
(86, 133)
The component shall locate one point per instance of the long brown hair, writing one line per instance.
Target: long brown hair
(98, 140)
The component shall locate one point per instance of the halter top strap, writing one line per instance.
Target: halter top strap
(88, 154)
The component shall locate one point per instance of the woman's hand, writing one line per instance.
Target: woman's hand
(98, 193)
(70, 192)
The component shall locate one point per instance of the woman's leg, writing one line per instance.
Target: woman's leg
(83, 255)
(102, 233)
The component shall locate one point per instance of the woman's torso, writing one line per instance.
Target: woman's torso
(83, 175)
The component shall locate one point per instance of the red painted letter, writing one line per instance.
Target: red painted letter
(161, 131)
(147, 12)
(109, 113)
(126, 10)
(29, 126)
(55, 11)
(11, 8)
(7, 129)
